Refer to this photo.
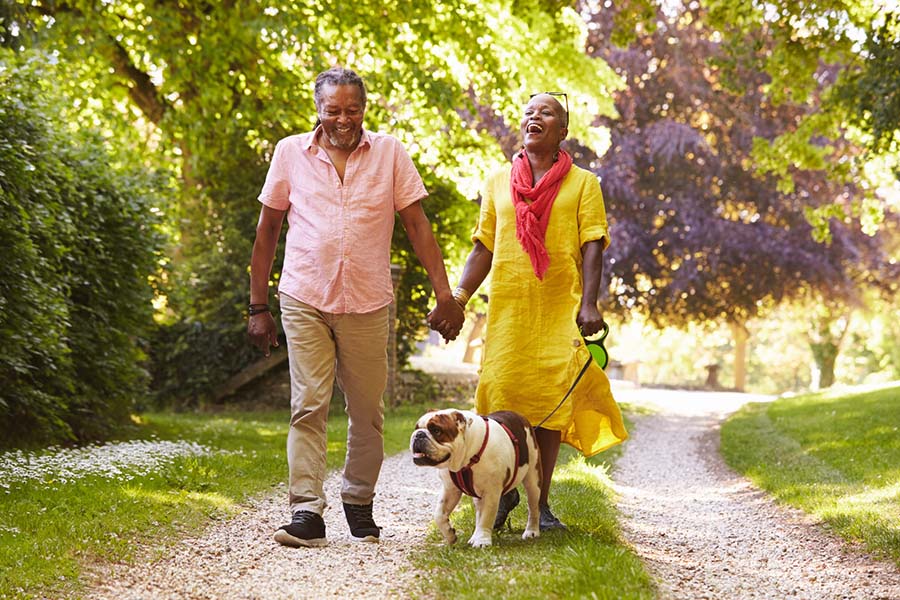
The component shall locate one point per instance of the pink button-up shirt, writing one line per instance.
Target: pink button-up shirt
(338, 252)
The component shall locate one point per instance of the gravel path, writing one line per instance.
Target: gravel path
(239, 559)
(705, 532)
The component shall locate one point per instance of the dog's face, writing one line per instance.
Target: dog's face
(438, 436)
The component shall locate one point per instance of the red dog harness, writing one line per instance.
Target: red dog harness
(463, 478)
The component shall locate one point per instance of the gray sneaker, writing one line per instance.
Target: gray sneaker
(549, 520)
(305, 529)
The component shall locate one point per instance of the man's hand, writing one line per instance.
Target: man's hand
(589, 320)
(263, 332)
(447, 318)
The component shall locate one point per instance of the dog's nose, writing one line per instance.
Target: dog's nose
(420, 434)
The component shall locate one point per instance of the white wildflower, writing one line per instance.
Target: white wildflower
(123, 460)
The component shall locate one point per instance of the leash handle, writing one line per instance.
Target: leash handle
(572, 387)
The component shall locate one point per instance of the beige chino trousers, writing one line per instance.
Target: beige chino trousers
(354, 348)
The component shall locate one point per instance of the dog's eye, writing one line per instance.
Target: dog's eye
(433, 429)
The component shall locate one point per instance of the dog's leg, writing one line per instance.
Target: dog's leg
(485, 513)
(446, 503)
(532, 484)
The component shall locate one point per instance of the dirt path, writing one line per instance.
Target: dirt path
(239, 560)
(705, 532)
(702, 531)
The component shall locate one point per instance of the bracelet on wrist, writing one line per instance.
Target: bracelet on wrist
(258, 309)
(461, 296)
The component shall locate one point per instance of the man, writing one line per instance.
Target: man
(339, 186)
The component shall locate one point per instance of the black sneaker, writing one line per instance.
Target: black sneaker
(549, 521)
(508, 501)
(305, 529)
(362, 525)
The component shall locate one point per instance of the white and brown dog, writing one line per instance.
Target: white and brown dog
(483, 457)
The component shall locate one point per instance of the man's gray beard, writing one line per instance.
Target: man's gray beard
(352, 146)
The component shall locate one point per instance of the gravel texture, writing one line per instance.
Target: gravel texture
(705, 532)
(239, 559)
(702, 531)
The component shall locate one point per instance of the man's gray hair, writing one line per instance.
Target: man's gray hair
(338, 76)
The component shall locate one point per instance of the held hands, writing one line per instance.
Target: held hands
(589, 320)
(447, 318)
(262, 331)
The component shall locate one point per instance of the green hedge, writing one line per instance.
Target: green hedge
(80, 241)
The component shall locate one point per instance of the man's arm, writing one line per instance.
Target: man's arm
(261, 327)
(448, 316)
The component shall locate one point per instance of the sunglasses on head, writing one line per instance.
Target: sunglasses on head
(557, 95)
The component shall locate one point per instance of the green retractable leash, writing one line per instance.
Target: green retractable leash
(599, 355)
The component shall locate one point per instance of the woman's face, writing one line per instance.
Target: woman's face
(543, 123)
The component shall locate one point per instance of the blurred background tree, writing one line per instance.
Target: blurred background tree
(736, 179)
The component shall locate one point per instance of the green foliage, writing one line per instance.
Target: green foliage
(80, 242)
(834, 455)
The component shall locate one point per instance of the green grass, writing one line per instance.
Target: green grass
(51, 530)
(588, 561)
(834, 455)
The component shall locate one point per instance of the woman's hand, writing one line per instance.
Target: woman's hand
(589, 320)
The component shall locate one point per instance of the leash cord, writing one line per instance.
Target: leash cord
(572, 387)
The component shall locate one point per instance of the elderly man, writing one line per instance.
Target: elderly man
(340, 186)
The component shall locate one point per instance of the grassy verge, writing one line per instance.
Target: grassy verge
(588, 561)
(51, 528)
(833, 455)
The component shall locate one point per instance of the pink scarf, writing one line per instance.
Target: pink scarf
(532, 219)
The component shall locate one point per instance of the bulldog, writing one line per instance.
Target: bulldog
(483, 457)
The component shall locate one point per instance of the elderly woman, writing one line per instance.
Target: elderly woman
(542, 230)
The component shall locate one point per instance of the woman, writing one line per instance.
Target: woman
(542, 230)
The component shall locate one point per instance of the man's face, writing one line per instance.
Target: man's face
(341, 110)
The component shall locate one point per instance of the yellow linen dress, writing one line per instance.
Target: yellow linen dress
(533, 350)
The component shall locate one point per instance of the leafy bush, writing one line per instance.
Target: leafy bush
(80, 241)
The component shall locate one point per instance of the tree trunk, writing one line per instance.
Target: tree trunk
(828, 331)
(741, 335)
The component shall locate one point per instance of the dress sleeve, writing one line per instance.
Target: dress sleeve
(592, 223)
(276, 190)
(486, 229)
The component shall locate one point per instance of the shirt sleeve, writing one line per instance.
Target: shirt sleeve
(486, 229)
(276, 191)
(408, 185)
(592, 223)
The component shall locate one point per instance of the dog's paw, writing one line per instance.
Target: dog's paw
(479, 540)
(531, 533)
(449, 536)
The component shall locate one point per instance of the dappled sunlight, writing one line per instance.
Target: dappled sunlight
(887, 497)
(199, 500)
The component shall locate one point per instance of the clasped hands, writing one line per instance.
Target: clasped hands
(447, 318)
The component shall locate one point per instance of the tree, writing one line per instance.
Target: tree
(219, 84)
(699, 234)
